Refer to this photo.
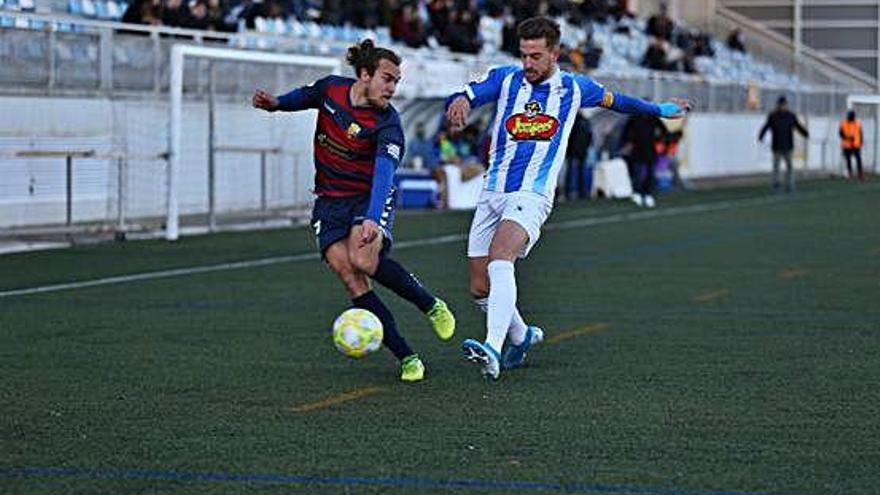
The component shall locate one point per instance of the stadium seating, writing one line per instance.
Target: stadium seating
(622, 53)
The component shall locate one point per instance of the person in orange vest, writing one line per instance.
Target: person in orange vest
(851, 139)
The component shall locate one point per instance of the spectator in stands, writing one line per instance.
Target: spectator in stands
(655, 57)
(735, 41)
(576, 166)
(421, 152)
(407, 27)
(782, 123)
(447, 148)
(461, 32)
(197, 15)
(702, 44)
(143, 12)
(640, 135)
(368, 14)
(851, 139)
(592, 53)
(660, 25)
(593, 10)
(509, 37)
(438, 15)
(687, 63)
(175, 13)
(334, 12)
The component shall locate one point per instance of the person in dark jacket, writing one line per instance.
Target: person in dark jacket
(576, 167)
(640, 135)
(782, 123)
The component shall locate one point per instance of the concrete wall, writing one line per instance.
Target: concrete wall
(32, 190)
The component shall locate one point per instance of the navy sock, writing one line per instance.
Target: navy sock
(390, 337)
(394, 276)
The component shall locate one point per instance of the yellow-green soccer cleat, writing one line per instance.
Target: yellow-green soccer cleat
(442, 319)
(412, 369)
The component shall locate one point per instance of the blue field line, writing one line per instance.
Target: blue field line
(207, 476)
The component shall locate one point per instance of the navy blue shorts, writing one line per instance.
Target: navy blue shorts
(333, 218)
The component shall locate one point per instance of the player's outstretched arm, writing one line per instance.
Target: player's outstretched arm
(595, 95)
(674, 108)
(299, 99)
(475, 94)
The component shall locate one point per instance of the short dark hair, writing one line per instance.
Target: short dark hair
(539, 27)
(366, 55)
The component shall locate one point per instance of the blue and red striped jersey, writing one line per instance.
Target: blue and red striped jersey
(348, 140)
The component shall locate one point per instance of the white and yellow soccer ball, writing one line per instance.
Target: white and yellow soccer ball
(357, 332)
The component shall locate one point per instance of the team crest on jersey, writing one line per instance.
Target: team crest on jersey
(353, 130)
(532, 125)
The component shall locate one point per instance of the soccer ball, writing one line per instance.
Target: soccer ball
(357, 332)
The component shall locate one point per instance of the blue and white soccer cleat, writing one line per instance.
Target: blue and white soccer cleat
(484, 355)
(515, 355)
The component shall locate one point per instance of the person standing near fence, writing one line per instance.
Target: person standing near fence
(782, 123)
(851, 140)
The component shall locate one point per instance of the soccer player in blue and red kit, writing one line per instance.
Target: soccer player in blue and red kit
(359, 143)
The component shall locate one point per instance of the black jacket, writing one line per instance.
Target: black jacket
(580, 139)
(643, 131)
(782, 123)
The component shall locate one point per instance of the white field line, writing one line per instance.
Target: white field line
(432, 241)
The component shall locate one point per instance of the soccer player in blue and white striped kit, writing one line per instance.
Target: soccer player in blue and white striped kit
(536, 104)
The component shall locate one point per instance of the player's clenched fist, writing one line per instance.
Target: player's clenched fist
(265, 100)
(458, 112)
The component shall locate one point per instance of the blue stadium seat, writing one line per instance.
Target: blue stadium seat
(100, 9)
(113, 11)
(295, 28)
(88, 8)
(74, 7)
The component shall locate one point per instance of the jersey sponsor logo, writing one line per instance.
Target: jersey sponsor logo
(393, 150)
(532, 125)
(334, 147)
(353, 130)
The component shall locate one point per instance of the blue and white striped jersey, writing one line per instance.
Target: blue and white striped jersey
(532, 124)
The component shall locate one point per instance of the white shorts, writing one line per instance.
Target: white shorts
(529, 210)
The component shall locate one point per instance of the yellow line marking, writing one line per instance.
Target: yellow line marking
(591, 328)
(792, 273)
(337, 399)
(710, 296)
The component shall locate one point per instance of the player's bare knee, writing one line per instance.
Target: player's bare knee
(364, 261)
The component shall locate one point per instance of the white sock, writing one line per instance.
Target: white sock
(502, 302)
(518, 327)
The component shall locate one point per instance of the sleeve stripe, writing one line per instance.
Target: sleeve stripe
(470, 92)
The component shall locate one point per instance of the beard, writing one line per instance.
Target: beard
(536, 76)
(375, 100)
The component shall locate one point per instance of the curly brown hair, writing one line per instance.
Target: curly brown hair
(539, 27)
(366, 56)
